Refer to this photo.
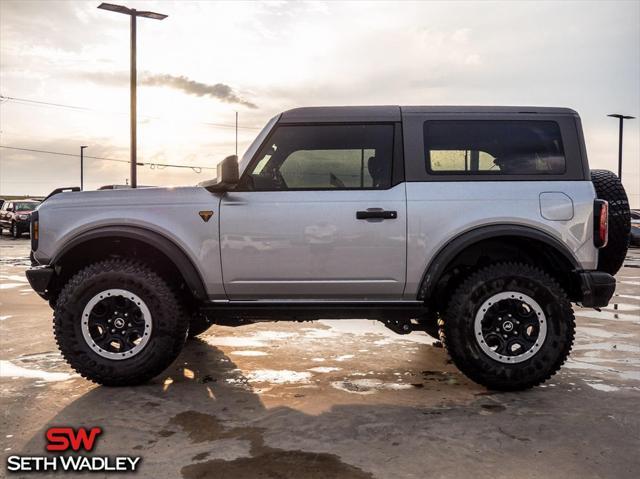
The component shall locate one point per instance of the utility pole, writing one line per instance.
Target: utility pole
(621, 118)
(134, 14)
(236, 134)
(82, 167)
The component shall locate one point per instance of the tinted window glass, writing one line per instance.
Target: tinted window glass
(494, 147)
(26, 206)
(325, 157)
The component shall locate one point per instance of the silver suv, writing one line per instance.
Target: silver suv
(478, 225)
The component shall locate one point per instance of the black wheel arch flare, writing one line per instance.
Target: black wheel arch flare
(443, 258)
(168, 247)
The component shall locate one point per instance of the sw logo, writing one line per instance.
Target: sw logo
(205, 215)
(72, 441)
(65, 438)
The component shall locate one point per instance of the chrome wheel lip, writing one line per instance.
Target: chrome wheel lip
(542, 323)
(146, 314)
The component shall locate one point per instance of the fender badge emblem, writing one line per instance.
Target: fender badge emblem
(205, 215)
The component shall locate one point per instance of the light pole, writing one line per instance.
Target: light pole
(133, 13)
(621, 118)
(82, 167)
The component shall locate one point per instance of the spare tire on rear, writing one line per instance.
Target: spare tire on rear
(608, 187)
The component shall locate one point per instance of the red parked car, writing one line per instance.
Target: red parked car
(15, 216)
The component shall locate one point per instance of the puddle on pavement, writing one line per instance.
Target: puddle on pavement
(273, 376)
(249, 353)
(321, 369)
(13, 277)
(265, 460)
(601, 386)
(368, 386)
(15, 261)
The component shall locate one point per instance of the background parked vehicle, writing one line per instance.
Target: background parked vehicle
(15, 216)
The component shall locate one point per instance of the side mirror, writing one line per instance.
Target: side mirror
(228, 175)
(228, 172)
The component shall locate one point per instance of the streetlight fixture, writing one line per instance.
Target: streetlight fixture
(133, 13)
(621, 118)
(82, 167)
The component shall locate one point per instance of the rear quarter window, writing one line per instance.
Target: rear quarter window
(493, 147)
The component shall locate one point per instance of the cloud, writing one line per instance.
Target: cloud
(219, 90)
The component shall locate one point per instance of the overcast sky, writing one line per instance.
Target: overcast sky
(209, 59)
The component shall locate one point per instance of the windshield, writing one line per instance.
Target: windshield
(253, 147)
(26, 206)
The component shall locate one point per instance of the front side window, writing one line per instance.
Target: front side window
(319, 157)
(494, 147)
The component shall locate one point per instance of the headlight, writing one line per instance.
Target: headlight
(23, 217)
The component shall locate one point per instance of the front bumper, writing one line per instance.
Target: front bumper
(40, 278)
(596, 288)
(23, 224)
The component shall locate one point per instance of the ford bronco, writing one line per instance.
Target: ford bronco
(478, 225)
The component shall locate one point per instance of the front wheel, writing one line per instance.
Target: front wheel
(509, 327)
(118, 323)
(15, 233)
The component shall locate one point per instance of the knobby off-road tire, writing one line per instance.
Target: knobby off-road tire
(517, 284)
(608, 187)
(125, 285)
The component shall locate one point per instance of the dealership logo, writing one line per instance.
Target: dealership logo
(65, 438)
(72, 442)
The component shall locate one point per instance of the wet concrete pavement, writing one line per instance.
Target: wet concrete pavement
(330, 399)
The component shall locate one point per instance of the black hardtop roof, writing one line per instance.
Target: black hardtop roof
(394, 112)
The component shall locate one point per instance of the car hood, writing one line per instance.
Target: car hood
(134, 197)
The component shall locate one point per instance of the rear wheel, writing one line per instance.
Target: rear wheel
(118, 323)
(509, 327)
(608, 187)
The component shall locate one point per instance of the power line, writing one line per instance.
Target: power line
(27, 101)
(152, 165)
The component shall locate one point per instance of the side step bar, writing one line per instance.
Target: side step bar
(308, 310)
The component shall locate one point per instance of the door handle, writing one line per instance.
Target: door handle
(376, 214)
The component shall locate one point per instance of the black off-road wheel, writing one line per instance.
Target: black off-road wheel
(509, 327)
(608, 187)
(198, 324)
(14, 231)
(118, 323)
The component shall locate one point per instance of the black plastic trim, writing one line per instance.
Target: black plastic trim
(441, 260)
(61, 190)
(179, 258)
(40, 278)
(596, 288)
(299, 310)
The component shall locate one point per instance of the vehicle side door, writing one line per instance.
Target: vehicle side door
(318, 214)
